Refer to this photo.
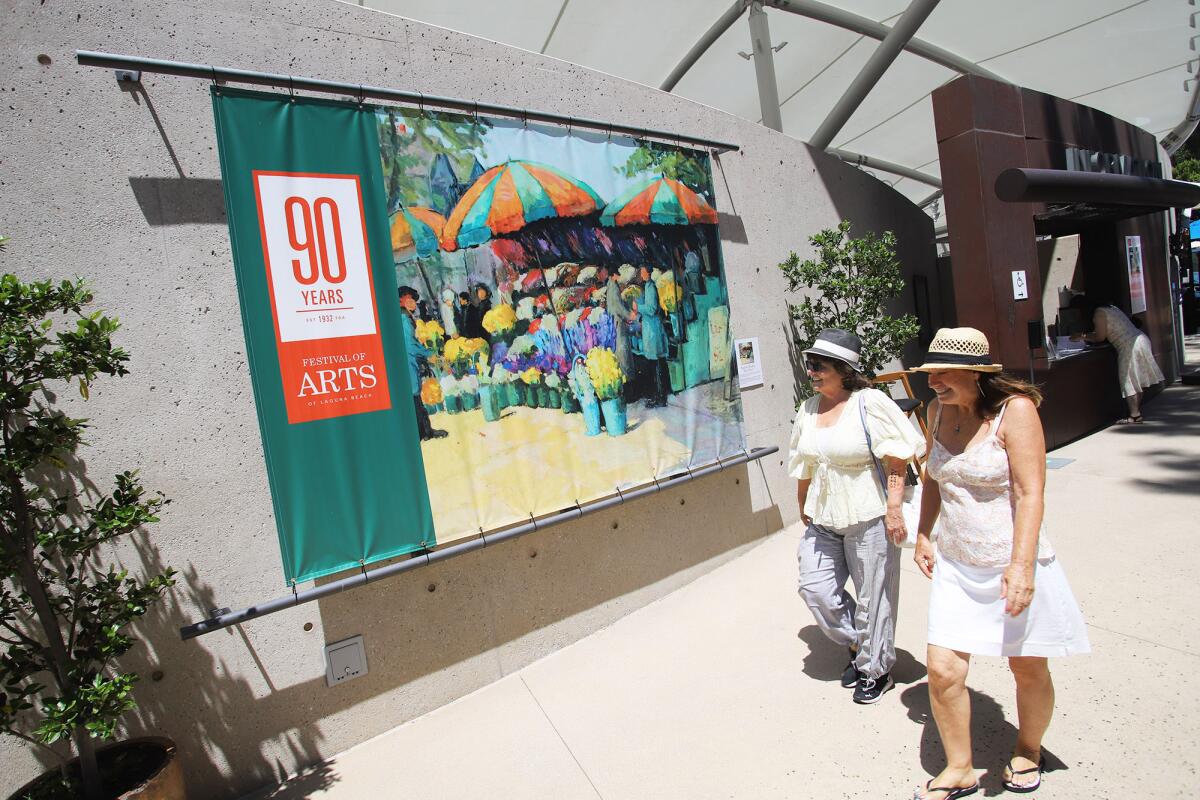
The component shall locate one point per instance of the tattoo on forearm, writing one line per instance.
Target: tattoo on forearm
(895, 480)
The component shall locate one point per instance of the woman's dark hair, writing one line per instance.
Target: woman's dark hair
(852, 380)
(1085, 304)
(995, 388)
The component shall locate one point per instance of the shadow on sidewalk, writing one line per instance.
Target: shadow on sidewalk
(825, 660)
(992, 738)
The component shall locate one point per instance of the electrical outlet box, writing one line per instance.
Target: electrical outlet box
(345, 660)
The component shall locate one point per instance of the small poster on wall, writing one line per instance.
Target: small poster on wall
(748, 364)
(1137, 285)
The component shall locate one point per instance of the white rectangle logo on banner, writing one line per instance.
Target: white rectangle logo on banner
(316, 245)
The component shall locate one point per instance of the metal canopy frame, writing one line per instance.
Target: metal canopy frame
(887, 51)
(361, 92)
(764, 66)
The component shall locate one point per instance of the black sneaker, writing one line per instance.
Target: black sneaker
(850, 675)
(869, 690)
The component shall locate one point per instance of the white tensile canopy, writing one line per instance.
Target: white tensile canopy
(1129, 58)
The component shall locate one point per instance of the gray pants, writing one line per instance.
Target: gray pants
(864, 554)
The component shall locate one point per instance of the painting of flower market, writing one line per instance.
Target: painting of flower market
(566, 313)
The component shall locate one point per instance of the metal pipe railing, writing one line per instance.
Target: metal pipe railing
(361, 91)
(228, 618)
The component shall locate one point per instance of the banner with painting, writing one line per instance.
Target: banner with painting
(457, 323)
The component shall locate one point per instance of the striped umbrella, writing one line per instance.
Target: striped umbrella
(662, 201)
(508, 197)
(416, 227)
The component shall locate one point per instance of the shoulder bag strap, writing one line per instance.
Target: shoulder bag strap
(862, 414)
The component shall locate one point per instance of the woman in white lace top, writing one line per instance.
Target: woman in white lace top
(998, 589)
(849, 518)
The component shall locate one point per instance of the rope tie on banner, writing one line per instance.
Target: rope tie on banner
(421, 103)
(525, 118)
(361, 97)
(610, 130)
(295, 594)
(291, 89)
(362, 565)
(483, 536)
(532, 520)
(621, 495)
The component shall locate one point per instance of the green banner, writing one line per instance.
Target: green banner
(317, 286)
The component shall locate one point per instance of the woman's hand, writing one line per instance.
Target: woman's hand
(893, 523)
(923, 554)
(1016, 587)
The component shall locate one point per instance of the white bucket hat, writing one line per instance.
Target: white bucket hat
(838, 344)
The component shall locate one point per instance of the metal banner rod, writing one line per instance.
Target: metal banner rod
(292, 83)
(229, 618)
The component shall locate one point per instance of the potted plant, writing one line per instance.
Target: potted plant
(532, 378)
(608, 381)
(585, 393)
(553, 390)
(64, 612)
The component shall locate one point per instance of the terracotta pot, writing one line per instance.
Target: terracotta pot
(164, 783)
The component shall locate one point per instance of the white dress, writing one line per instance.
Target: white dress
(1136, 367)
(974, 545)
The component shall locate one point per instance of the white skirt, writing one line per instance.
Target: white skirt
(966, 613)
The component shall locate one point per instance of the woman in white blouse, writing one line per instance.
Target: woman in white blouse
(853, 526)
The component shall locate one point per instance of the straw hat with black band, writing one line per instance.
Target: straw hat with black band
(959, 348)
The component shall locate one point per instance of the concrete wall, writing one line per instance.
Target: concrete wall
(123, 187)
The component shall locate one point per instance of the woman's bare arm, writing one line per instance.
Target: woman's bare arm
(1026, 445)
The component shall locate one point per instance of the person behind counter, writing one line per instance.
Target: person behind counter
(853, 526)
(1136, 367)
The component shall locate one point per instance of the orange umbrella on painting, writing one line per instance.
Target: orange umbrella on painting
(416, 228)
(511, 195)
(662, 201)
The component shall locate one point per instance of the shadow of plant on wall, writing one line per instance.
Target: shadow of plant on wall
(204, 705)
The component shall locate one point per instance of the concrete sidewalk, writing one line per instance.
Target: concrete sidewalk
(726, 689)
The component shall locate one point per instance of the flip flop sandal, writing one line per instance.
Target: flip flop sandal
(951, 792)
(1028, 787)
(1138, 420)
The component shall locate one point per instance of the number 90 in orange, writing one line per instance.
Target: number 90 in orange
(316, 220)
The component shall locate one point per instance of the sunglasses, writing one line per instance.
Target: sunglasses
(816, 366)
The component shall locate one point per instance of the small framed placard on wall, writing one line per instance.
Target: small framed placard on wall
(748, 363)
